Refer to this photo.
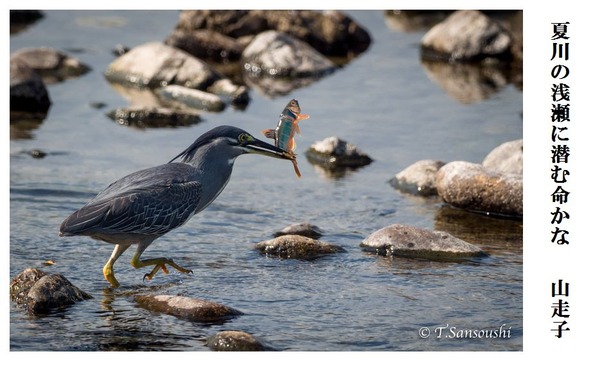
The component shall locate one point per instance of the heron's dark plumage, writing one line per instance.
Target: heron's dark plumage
(152, 201)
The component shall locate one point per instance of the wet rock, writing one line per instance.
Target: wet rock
(334, 152)
(40, 292)
(155, 64)
(192, 309)
(235, 340)
(153, 117)
(190, 98)
(207, 45)
(28, 93)
(467, 36)
(472, 187)
(418, 178)
(51, 64)
(332, 33)
(21, 19)
(237, 94)
(296, 247)
(37, 153)
(414, 20)
(120, 49)
(506, 158)
(301, 229)
(408, 241)
(277, 54)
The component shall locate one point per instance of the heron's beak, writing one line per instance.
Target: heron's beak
(257, 146)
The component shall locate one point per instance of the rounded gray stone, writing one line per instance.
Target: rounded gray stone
(506, 158)
(466, 35)
(418, 178)
(409, 241)
(192, 309)
(276, 54)
(472, 187)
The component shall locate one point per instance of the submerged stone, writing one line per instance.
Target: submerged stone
(297, 247)
(192, 309)
(235, 340)
(409, 241)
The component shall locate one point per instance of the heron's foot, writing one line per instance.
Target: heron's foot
(159, 264)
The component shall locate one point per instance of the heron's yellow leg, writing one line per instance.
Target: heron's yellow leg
(158, 263)
(109, 274)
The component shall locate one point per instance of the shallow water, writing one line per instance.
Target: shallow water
(384, 101)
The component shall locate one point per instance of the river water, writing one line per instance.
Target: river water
(384, 101)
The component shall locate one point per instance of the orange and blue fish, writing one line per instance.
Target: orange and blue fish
(287, 128)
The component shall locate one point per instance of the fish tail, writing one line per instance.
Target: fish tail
(269, 133)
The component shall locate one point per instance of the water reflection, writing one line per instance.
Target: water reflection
(492, 233)
(467, 83)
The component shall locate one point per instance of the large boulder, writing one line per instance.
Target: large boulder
(332, 33)
(155, 64)
(473, 187)
(506, 158)
(39, 292)
(467, 36)
(277, 54)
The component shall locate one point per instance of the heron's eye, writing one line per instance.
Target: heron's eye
(244, 138)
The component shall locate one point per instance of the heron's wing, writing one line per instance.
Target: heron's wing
(151, 202)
